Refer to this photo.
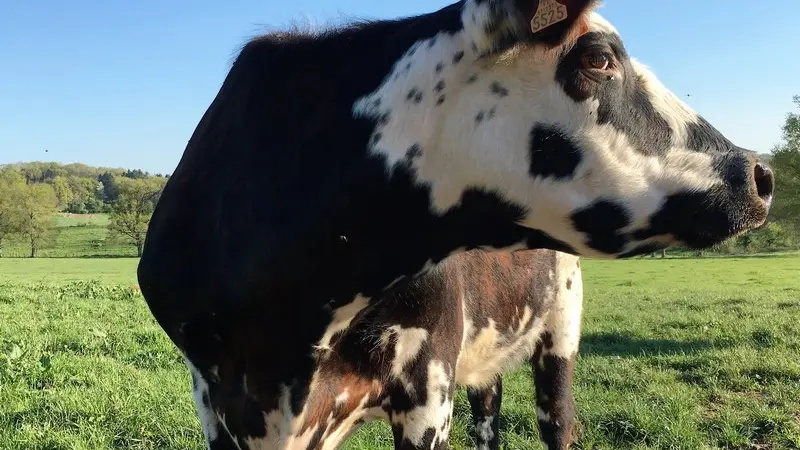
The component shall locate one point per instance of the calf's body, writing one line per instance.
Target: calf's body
(465, 323)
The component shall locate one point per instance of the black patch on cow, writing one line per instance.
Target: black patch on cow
(253, 419)
(439, 87)
(552, 153)
(414, 152)
(703, 137)
(680, 214)
(223, 440)
(458, 56)
(602, 222)
(498, 89)
(623, 101)
(439, 67)
(479, 117)
(440, 100)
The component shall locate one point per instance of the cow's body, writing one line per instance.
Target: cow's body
(333, 167)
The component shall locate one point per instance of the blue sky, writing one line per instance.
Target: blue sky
(123, 83)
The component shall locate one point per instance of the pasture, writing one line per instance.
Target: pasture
(676, 354)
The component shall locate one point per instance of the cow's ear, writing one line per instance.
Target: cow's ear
(553, 22)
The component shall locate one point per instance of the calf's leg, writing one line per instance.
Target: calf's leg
(554, 359)
(485, 405)
(421, 407)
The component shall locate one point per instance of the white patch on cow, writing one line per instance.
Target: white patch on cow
(342, 317)
(208, 419)
(408, 343)
(459, 153)
(564, 320)
(484, 429)
(435, 413)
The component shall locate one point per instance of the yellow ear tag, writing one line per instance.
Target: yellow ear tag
(548, 13)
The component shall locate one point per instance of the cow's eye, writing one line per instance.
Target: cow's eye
(596, 61)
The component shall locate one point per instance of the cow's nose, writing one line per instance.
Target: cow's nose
(765, 182)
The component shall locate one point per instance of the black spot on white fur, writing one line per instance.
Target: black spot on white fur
(439, 87)
(552, 153)
(498, 89)
(458, 57)
(414, 152)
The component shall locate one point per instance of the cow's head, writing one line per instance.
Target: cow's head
(564, 124)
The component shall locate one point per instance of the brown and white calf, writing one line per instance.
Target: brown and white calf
(333, 167)
(467, 322)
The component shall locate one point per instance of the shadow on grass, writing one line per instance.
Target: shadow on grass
(619, 344)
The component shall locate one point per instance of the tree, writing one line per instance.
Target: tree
(110, 187)
(786, 164)
(11, 186)
(38, 203)
(63, 191)
(131, 213)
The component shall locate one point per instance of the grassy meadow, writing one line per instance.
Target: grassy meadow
(676, 354)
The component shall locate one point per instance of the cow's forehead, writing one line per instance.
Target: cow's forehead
(599, 23)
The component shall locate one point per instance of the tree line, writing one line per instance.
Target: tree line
(32, 193)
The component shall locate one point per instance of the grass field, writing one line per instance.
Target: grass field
(76, 236)
(676, 354)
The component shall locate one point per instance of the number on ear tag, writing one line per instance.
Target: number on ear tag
(548, 13)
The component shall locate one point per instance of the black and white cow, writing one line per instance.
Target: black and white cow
(333, 170)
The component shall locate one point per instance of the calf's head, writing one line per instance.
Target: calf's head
(562, 123)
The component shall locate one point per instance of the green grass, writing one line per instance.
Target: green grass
(676, 354)
(76, 236)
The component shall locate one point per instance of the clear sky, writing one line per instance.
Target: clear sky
(124, 83)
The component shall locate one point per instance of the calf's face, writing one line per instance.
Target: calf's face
(595, 151)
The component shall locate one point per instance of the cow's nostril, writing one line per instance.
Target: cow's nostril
(765, 182)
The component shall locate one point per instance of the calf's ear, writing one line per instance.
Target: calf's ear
(554, 22)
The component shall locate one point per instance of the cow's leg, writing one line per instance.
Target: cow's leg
(421, 407)
(554, 359)
(485, 404)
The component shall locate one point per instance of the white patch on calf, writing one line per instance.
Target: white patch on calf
(484, 429)
(434, 413)
(408, 343)
(342, 317)
(564, 320)
(491, 352)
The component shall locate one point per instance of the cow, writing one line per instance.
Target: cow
(337, 167)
